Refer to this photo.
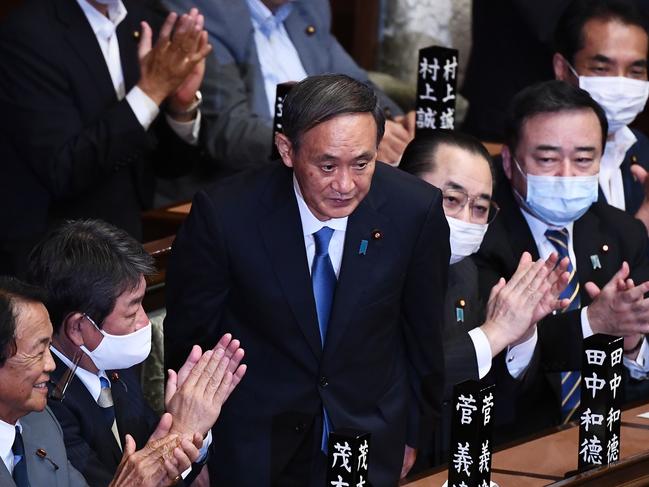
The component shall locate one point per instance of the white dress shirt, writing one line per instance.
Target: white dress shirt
(310, 225)
(278, 58)
(7, 437)
(610, 175)
(144, 108)
(92, 383)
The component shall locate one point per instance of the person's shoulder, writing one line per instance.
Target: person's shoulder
(29, 20)
(43, 421)
(640, 147)
(613, 218)
(246, 187)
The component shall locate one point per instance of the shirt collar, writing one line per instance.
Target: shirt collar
(538, 227)
(89, 379)
(7, 437)
(102, 26)
(310, 224)
(616, 148)
(264, 20)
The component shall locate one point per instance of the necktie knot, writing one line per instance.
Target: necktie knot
(558, 238)
(20, 466)
(105, 396)
(322, 238)
(18, 448)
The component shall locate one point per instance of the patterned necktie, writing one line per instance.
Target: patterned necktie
(105, 402)
(570, 381)
(20, 463)
(323, 279)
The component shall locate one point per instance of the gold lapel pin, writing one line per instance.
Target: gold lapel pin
(310, 30)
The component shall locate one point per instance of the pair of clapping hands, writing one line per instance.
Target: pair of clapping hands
(172, 69)
(514, 307)
(193, 399)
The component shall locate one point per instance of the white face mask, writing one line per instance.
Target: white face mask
(120, 351)
(621, 98)
(465, 238)
(107, 2)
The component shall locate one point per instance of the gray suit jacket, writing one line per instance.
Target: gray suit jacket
(42, 431)
(238, 124)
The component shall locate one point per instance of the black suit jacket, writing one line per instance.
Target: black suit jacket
(69, 148)
(603, 231)
(91, 447)
(638, 153)
(239, 265)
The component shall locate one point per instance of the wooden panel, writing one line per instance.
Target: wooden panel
(355, 24)
(545, 460)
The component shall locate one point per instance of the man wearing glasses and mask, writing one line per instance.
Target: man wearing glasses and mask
(474, 335)
(548, 197)
(94, 274)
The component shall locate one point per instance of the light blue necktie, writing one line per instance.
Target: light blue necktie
(323, 279)
(570, 380)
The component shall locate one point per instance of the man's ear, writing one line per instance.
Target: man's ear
(71, 328)
(285, 149)
(561, 69)
(506, 156)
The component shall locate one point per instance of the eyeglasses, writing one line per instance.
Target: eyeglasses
(483, 210)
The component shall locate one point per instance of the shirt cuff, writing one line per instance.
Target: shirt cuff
(144, 108)
(586, 330)
(186, 131)
(202, 453)
(638, 368)
(482, 351)
(519, 357)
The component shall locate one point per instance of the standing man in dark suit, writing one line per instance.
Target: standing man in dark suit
(81, 130)
(602, 46)
(332, 267)
(94, 275)
(549, 203)
(31, 441)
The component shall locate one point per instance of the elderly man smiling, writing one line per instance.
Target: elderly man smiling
(31, 440)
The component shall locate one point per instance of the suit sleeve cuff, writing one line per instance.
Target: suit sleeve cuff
(519, 357)
(202, 453)
(639, 368)
(144, 108)
(586, 330)
(186, 131)
(482, 351)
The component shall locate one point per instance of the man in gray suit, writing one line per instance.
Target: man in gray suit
(31, 440)
(257, 44)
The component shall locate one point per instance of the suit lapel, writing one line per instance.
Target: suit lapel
(83, 401)
(281, 231)
(128, 51)
(82, 40)
(356, 269)
(296, 28)
(5, 476)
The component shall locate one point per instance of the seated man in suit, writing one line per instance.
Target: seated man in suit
(94, 274)
(82, 133)
(461, 167)
(602, 47)
(258, 44)
(548, 197)
(31, 440)
(332, 266)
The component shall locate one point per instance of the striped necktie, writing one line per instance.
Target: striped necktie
(323, 279)
(570, 380)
